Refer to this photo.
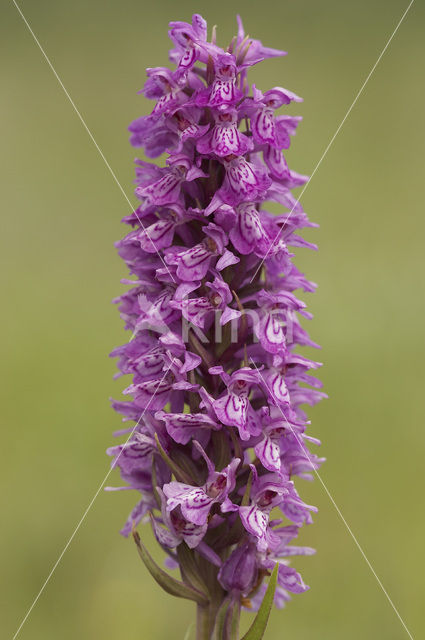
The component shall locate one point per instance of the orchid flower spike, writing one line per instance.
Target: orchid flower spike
(218, 429)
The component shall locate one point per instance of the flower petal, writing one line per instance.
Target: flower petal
(255, 522)
(268, 452)
(231, 409)
(193, 501)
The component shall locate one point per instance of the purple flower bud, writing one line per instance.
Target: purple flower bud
(239, 572)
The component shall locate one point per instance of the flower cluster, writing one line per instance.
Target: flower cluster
(217, 386)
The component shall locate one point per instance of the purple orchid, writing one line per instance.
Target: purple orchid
(239, 572)
(196, 502)
(177, 528)
(267, 492)
(218, 389)
(224, 139)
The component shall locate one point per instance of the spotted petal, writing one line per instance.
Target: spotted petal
(193, 534)
(164, 191)
(184, 426)
(275, 160)
(193, 501)
(271, 334)
(231, 410)
(268, 452)
(248, 231)
(133, 455)
(150, 365)
(243, 181)
(279, 96)
(195, 310)
(223, 92)
(193, 264)
(152, 394)
(275, 381)
(165, 537)
(224, 141)
(157, 236)
(255, 522)
(263, 127)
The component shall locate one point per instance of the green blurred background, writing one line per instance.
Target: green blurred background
(61, 215)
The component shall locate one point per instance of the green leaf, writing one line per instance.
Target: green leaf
(258, 627)
(220, 620)
(168, 583)
(231, 631)
(222, 453)
(181, 475)
(247, 494)
(189, 569)
(154, 484)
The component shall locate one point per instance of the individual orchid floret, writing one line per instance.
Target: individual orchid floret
(233, 408)
(240, 571)
(167, 189)
(248, 234)
(265, 128)
(186, 427)
(268, 450)
(225, 139)
(177, 528)
(162, 86)
(217, 435)
(223, 92)
(243, 181)
(221, 296)
(202, 311)
(155, 393)
(196, 502)
(267, 492)
(184, 126)
(193, 264)
(191, 43)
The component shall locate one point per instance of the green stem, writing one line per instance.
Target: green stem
(203, 623)
(232, 622)
(227, 626)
